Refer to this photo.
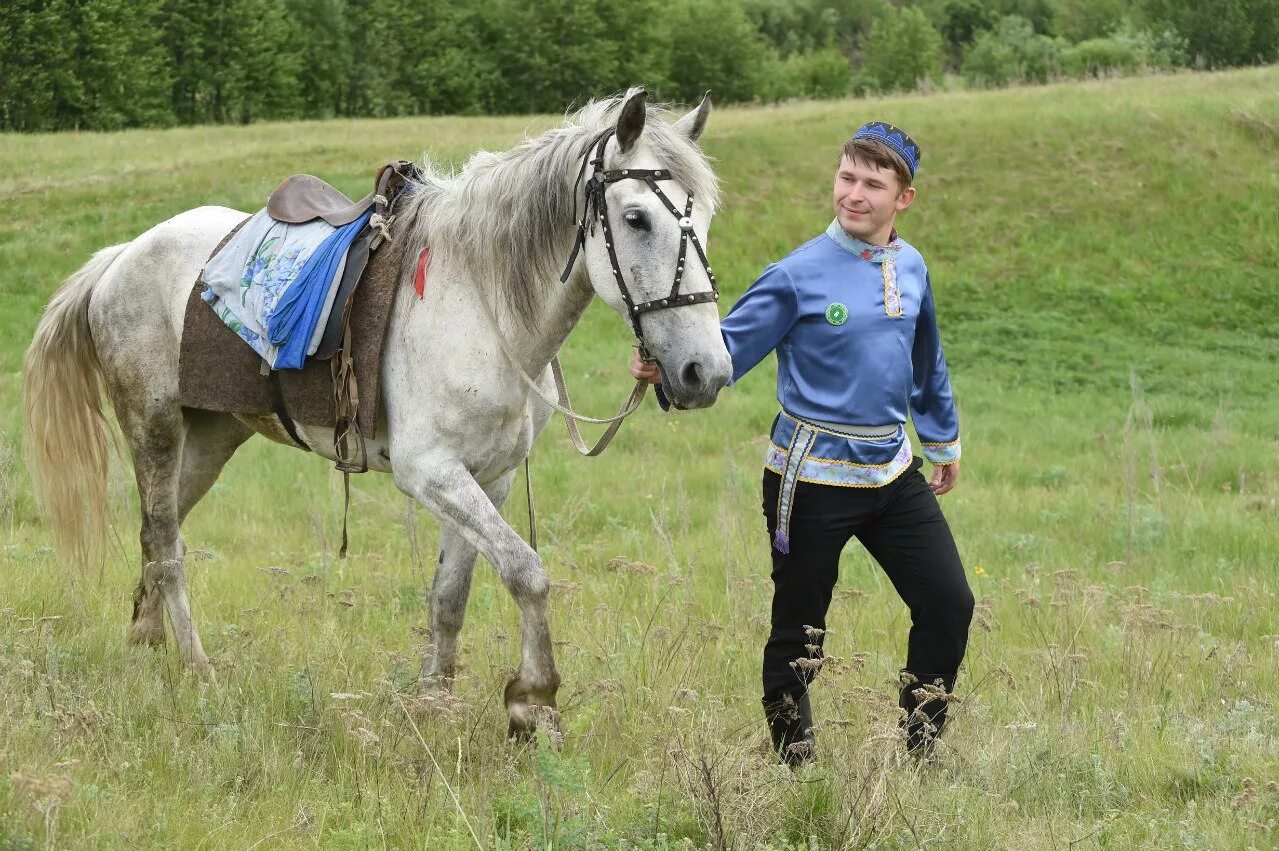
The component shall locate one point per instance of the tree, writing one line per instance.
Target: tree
(1221, 33)
(716, 47)
(326, 56)
(33, 67)
(263, 58)
(1011, 53)
(233, 60)
(963, 19)
(95, 66)
(1041, 14)
(902, 49)
(1079, 20)
(644, 52)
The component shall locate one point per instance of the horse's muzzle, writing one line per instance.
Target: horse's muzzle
(695, 384)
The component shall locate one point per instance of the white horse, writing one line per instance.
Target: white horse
(457, 417)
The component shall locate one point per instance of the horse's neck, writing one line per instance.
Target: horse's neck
(541, 339)
(536, 328)
(532, 340)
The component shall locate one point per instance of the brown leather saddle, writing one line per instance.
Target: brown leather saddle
(338, 387)
(304, 197)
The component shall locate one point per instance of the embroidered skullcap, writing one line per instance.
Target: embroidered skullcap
(895, 138)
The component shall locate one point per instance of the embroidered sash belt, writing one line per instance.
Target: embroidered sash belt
(798, 462)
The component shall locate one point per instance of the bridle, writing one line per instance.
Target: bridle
(596, 209)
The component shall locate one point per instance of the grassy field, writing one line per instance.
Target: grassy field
(1104, 257)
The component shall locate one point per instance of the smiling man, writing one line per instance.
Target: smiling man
(850, 315)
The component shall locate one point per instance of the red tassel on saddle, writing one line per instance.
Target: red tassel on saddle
(419, 279)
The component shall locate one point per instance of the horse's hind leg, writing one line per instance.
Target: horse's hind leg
(154, 431)
(210, 439)
(208, 442)
(449, 592)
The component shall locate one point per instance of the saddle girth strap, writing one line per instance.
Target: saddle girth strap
(346, 404)
(352, 455)
(282, 412)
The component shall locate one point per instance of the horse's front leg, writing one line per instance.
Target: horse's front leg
(449, 492)
(449, 592)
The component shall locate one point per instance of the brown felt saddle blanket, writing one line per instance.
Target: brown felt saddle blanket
(218, 371)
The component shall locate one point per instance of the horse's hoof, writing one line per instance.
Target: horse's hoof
(519, 733)
(144, 634)
(526, 719)
(531, 711)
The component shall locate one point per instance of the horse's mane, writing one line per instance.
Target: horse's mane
(507, 215)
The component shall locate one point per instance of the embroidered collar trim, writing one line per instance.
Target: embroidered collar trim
(864, 250)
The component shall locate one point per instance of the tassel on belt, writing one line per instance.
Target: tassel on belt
(801, 444)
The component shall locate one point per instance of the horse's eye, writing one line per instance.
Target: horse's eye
(636, 219)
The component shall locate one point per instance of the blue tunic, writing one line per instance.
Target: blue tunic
(857, 349)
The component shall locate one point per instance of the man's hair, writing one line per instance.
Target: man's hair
(874, 152)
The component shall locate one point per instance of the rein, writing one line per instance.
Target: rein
(563, 404)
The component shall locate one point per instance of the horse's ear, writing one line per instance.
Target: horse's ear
(630, 123)
(694, 123)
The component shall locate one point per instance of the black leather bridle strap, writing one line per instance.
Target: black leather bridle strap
(596, 209)
(599, 142)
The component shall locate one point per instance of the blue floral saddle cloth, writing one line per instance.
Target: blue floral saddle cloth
(274, 283)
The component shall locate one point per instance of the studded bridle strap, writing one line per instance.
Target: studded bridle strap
(596, 210)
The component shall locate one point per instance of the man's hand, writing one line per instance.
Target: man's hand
(944, 478)
(645, 370)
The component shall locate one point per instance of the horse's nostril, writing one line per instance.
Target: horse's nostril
(692, 375)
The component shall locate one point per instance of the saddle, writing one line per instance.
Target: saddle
(304, 197)
(219, 372)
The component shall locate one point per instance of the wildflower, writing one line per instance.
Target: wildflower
(807, 664)
(980, 571)
(365, 736)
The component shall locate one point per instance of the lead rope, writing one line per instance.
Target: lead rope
(563, 404)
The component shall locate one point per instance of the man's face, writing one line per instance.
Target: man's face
(867, 198)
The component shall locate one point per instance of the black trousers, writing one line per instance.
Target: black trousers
(902, 527)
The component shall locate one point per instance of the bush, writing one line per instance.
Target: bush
(861, 83)
(1099, 57)
(1012, 53)
(902, 49)
(819, 74)
(1125, 50)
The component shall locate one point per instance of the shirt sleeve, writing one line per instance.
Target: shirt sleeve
(931, 402)
(760, 319)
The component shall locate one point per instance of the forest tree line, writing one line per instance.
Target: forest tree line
(110, 64)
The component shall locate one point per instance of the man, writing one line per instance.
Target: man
(850, 315)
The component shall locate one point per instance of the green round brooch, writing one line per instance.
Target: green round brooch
(837, 314)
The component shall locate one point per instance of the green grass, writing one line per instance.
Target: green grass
(1104, 258)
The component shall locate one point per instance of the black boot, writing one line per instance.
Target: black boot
(790, 721)
(924, 700)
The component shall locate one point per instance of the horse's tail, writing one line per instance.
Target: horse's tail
(65, 429)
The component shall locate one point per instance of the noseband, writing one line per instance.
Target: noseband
(596, 209)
